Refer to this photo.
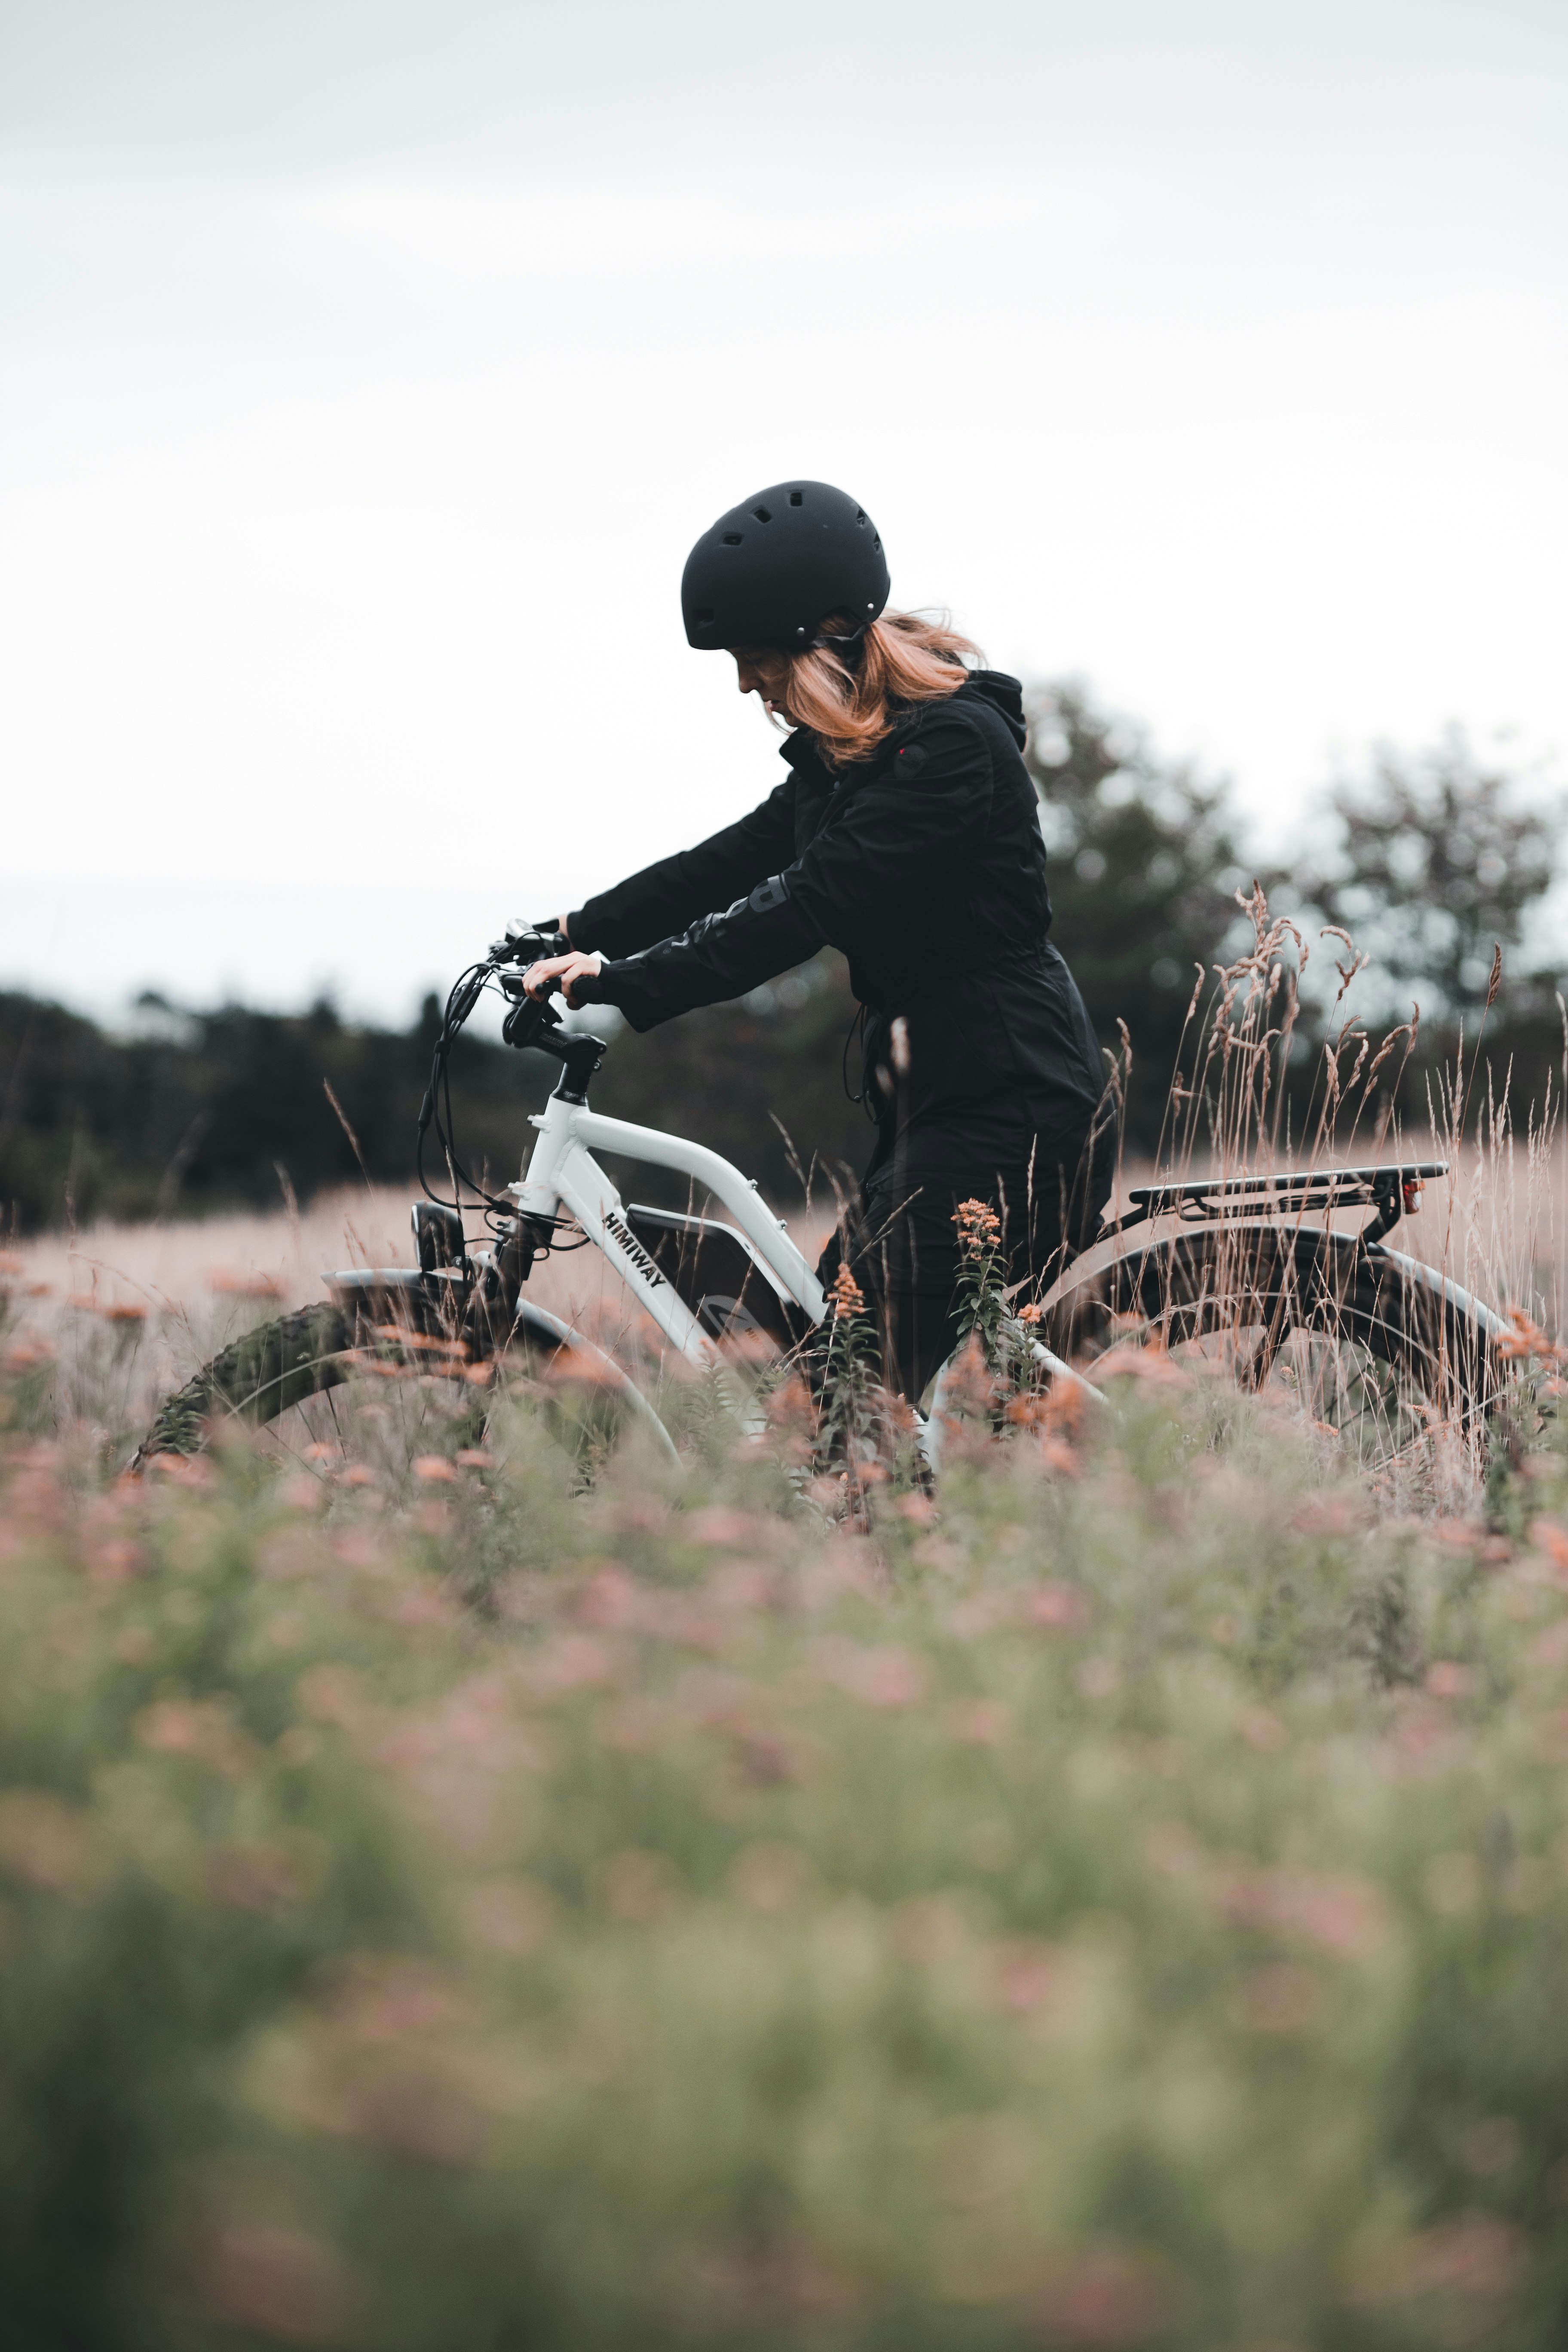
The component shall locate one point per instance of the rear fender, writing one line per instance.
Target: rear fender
(1427, 1277)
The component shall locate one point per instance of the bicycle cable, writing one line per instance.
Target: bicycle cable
(436, 1111)
(863, 1098)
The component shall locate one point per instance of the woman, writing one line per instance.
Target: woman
(907, 835)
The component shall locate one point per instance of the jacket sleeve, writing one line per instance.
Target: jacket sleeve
(666, 897)
(901, 835)
(718, 957)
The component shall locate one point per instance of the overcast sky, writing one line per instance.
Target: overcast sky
(367, 369)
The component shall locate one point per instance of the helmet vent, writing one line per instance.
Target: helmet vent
(797, 497)
(761, 514)
(861, 516)
(732, 539)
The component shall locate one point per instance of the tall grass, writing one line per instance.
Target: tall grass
(1495, 1224)
(1260, 1286)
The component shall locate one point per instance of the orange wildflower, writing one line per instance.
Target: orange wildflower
(846, 1294)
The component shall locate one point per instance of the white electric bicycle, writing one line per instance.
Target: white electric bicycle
(1368, 1341)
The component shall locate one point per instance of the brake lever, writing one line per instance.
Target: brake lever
(529, 1017)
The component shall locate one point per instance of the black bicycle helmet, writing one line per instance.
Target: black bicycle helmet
(772, 571)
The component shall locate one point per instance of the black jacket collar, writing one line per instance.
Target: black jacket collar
(802, 752)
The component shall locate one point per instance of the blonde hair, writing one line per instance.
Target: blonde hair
(903, 658)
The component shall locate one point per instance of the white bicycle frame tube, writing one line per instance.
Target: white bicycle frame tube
(562, 1174)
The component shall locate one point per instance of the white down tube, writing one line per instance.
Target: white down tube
(725, 1181)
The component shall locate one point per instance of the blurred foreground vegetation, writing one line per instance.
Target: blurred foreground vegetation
(1125, 1902)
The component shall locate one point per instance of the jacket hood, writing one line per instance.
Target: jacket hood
(1003, 694)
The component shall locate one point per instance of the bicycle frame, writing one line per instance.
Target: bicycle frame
(562, 1174)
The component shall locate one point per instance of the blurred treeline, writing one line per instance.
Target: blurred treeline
(1431, 863)
(192, 1112)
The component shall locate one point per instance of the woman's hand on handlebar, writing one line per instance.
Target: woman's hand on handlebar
(561, 971)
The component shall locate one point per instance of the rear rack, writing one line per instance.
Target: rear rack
(1394, 1192)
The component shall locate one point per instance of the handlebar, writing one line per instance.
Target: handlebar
(531, 1016)
(530, 1021)
(528, 943)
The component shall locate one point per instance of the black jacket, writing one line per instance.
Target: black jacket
(926, 867)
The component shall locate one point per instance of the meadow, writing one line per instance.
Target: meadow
(448, 1902)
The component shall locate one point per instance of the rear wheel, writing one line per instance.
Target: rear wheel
(1374, 1351)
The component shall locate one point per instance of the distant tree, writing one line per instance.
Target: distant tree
(1437, 862)
(1144, 865)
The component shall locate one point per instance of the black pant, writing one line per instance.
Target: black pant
(1049, 1186)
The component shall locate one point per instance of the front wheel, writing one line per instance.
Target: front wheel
(272, 1377)
(258, 1379)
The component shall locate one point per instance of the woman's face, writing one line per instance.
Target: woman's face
(764, 673)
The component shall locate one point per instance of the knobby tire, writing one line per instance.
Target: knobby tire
(259, 1377)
